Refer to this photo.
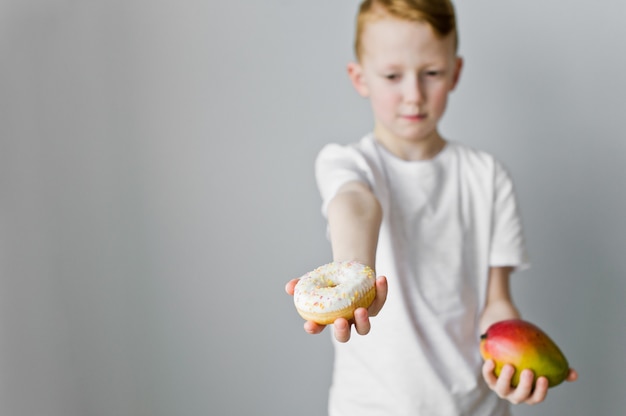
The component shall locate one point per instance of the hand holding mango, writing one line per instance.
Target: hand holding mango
(524, 345)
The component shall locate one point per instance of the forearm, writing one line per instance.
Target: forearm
(498, 311)
(499, 305)
(354, 218)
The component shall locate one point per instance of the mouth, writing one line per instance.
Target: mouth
(413, 117)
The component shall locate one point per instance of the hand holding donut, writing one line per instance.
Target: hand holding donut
(342, 293)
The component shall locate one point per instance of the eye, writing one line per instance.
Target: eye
(433, 73)
(392, 77)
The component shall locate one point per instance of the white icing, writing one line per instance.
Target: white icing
(333, 287)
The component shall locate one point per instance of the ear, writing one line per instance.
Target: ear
(458, 66)
(355, 72)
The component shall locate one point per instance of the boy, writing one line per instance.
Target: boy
(440, 219)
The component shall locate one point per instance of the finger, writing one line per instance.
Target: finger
(503, 384)
(540, 392)
(488, 374)
(313, 328)
(381, 296)
(522, 392)
(572, 375)
(342, 330)
(361, 321)
(289, 287)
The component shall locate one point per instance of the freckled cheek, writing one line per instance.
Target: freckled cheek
(439, 98)
(440, 105)
(385, 104)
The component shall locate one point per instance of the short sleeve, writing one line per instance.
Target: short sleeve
(508, 246)
(337, 165)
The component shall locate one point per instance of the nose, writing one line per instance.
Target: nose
(414, 90)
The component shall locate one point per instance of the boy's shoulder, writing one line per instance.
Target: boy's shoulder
(359, 151)
(480, 165)
(472, 156)
(470, 151)
(364, 144)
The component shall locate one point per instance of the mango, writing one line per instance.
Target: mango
(524, 345)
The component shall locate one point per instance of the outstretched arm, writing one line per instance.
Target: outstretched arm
(354, 218)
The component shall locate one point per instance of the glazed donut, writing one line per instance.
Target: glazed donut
(334, 291)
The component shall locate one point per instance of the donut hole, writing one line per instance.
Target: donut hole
(328, 283)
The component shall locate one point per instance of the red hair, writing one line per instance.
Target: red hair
(439, 14)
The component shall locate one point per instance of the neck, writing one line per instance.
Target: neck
(407, 149)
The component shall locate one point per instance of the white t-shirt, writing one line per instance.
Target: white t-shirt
(445, 222)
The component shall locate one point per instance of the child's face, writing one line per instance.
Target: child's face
(407, 73)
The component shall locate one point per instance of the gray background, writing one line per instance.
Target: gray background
(156, 192)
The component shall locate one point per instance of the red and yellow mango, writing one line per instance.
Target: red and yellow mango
(523, 345)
